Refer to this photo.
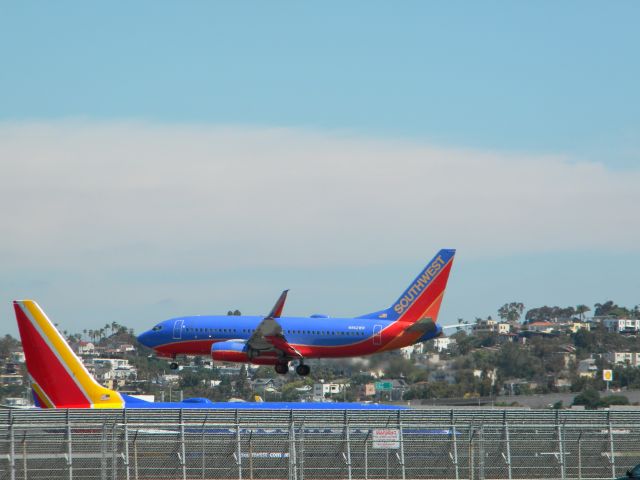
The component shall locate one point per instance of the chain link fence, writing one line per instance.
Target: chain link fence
(438, 444)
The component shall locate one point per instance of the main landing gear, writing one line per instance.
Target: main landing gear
(283, 368)
(173, 365)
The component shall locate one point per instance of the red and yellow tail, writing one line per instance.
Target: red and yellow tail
(59, 379)
(423, 296)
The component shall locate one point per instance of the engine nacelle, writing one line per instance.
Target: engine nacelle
(230, 351)
(237, 351)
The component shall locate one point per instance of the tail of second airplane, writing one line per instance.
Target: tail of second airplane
(424, 295)
(59, 379)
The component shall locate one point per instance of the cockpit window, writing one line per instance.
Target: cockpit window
(156, 328)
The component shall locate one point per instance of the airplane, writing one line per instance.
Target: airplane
(277, 340)
(59, 379)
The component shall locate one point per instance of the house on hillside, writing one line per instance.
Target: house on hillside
(322, 390)
(265, 384)
(443, 343)
(83, 348)
(629, 359)
(575, 327)
(587, 368)
(541, 327)
(16, 356)
(621, 325)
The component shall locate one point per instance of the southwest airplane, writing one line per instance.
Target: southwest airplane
(60, 380)
(277, 340)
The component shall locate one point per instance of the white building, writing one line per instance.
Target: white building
(108, 369)
(86, 348)
(321, 390)
(631, 359)
(443, 343)
(11, 379)
(17, 402)
(416, 348)
(587, 368)
(504, 328)
(621, 325)
(541, 327)
(111, 363)
(16, 357)
(169, 378)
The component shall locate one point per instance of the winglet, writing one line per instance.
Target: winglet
(276, 311)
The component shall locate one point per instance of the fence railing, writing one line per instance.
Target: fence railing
(236, 445)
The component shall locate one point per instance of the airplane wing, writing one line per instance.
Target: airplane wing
(268, 334)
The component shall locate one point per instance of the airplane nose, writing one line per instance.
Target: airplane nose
(145, 338)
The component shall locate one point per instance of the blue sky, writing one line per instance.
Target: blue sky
(504, 92)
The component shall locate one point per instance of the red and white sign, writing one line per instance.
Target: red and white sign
(386, 438)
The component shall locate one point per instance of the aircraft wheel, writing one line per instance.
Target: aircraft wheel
(282, 368)
(303, 370)
(173, 366)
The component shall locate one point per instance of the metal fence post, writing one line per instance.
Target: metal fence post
(455, 443)
(135, 455)
(24, 455)
(202, 444)
(580, 455)
(12, 447)
(238, 448)
(250, 456)
(454, 433)
(293, 467)
(508, 445)
(481, 458)
(301, 440)
(126, 444)
(561, 452)
(348, 444)
(183, 453)
(401, 458)
(472, 432)
(69, 447)
(114, 453)
(612, 453)
(103, 451)
(366, 455)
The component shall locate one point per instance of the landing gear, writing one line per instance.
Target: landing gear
(303, 370)
(282, 368)
(173, 366)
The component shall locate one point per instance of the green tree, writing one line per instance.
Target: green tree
(590, 398)
(581, 310)
(511, 312)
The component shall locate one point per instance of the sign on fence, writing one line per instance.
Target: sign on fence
(386, 438)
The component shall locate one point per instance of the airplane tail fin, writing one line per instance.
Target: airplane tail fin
(59, 379)
(424, 295)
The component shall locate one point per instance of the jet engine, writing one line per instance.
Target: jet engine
(238, 351)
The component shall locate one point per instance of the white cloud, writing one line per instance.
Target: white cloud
(138, 194)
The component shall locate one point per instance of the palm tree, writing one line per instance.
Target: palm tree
(84, 332)
(581, 310)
